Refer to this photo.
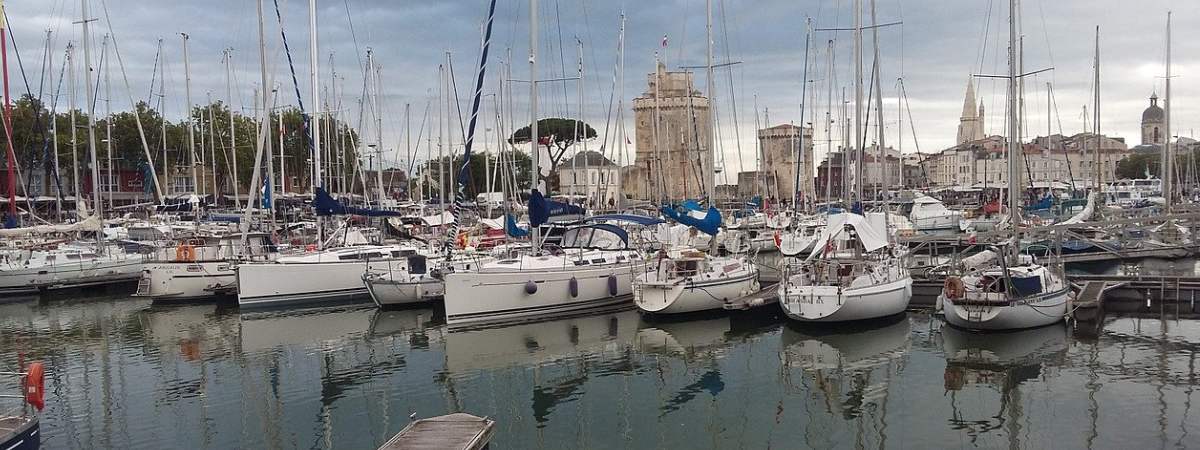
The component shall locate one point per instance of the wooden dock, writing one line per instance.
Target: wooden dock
(458, 431)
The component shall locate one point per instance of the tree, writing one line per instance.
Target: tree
(1138, 165)
(512, 159)
(556, 135)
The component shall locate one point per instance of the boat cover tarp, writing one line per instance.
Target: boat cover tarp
(1026, 286)
(871, 238)
(92, 223)
(437, 220)
(326, 205)
(541, 209)
(710, 224)
(598, 235)
(511, 227)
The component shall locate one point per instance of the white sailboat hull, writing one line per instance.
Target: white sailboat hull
(70, 275)
(940, 222)
(685, 296)
(501, 295)
(186, 280)
(836, 304)
(282, 284)
(392, 292)
(1043, 310)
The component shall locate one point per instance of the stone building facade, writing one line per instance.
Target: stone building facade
(676, 159)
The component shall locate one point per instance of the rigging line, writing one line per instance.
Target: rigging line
(412, 160)
(153, 75)
(295, 83)
(457, 104)
(353, 35)
(562, 63)
(983, 41)
(732, 98)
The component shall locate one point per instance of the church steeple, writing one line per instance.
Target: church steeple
(970, 124)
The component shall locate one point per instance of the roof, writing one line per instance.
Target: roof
(1154, 112)
(590, 158)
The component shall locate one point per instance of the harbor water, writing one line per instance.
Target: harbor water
(125, 373)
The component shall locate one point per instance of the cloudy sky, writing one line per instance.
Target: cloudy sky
(939, 44)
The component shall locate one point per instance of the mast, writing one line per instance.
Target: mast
(443, 118)
(378, 128)
(621, 112)
(858, 104)
(536, 182)
(54, 127)
(91, 95)
(829, 126)
(1096, 117)
(315, 126)
(212, 146)
(232, 133)
(108, 178)
(74, 132)
(803, 97)
(265, 92)
(187, 92)
(1014, 190)
(162, 103)
(709, 178)
(1168, 158)
(12, 155)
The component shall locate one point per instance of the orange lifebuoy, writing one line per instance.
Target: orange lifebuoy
(35, 385)
(463, 240)
(185, 253)
(954, 288)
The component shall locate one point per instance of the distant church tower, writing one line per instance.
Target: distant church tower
(970, 125)
(1152, 123)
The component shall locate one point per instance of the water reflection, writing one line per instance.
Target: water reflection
(999, 362)
(129, 374)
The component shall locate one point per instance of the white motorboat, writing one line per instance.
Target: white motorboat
(1027, 295)
(200, 267)
(67, 266)
(327, 276)
(688, 280)
(930, 214)
(854, 273)
(593, 268)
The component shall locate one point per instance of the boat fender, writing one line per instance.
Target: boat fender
(530, 287)
(573, 287)
(35, 385)
(778, 239)
(954, 288)
(612, 285)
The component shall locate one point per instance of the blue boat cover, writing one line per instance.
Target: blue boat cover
(692, 205)
(541, 210)
(510, 227)
(710, 224)
(325, 205)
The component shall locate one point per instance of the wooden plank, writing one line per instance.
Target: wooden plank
(458, 431)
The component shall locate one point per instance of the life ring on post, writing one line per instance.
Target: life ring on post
(954, 288)
(185, 253)
(35, 385)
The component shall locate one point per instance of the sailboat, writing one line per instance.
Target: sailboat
(855, 271)
(591, 266)
(688, 279)
(1008, 291)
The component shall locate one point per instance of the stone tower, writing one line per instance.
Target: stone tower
(677, 161)
(970, 124)
(1152, 123)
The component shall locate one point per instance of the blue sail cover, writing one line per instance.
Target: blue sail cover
(1045, 203)
(541, 210)
(710, 224)
(511, 228)
(692, 205)
(325, 205)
